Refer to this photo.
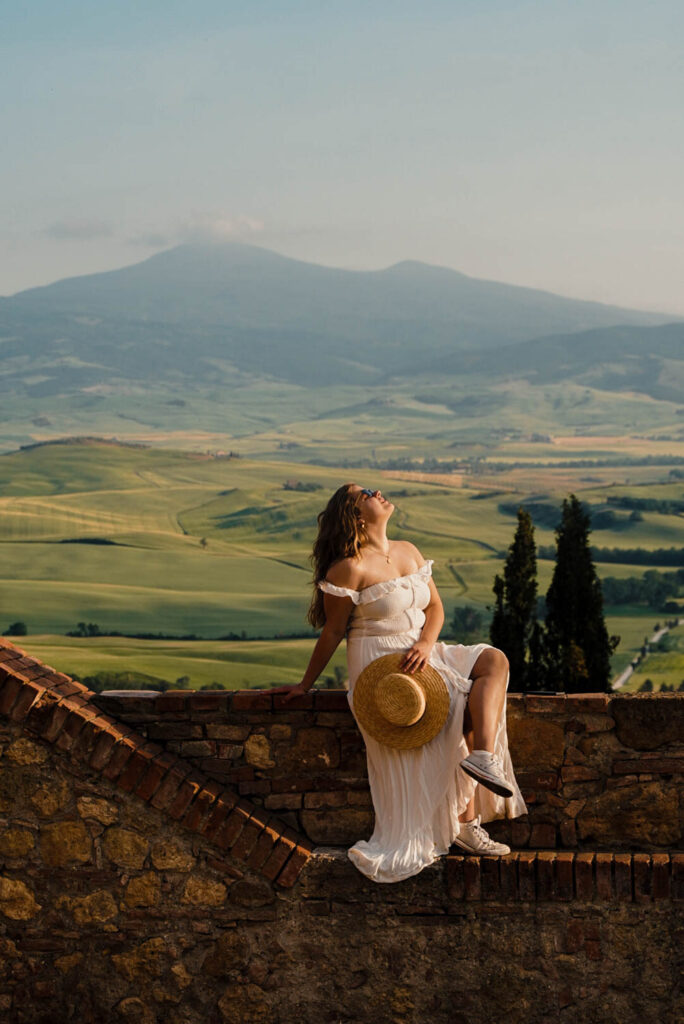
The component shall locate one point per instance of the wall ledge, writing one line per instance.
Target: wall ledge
(525, 876)
(63, 713)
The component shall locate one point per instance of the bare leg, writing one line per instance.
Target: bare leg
(487, 696)
(469, 736)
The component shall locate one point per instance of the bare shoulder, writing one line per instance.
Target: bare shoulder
(345, 573)
(410, 552)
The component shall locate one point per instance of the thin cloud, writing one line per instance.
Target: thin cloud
(78, 229)
(199, 227)
(207, 227)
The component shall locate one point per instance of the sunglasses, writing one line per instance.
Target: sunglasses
(367, 490)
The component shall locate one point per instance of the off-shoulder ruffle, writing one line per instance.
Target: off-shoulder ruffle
(377, 590)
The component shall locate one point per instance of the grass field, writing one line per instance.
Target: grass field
(184, 664)
(144, 540)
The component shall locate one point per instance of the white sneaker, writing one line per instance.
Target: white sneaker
(475, 839)
(487, 769)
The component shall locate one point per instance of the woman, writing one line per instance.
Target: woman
(381, 596)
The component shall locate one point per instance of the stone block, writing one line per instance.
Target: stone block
(24, 752)
(343, 825)
(65, 842)
(125, 847)
(204, 892)
(646, 815)
(16, 843)
(258, 751)
(17, 901)
(50, 797)
(535, 746)
(314, 748)
(648, 722)
(167, 855)
(94, 908)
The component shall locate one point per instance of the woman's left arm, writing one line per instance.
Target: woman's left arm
(417, 656)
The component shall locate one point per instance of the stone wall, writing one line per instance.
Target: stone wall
(136, 888)
(110, 911)
(597, 771)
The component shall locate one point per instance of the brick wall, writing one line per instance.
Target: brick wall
(597, 771)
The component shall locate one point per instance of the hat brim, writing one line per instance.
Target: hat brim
(437, 701)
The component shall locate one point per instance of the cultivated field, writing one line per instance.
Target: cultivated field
(141, 540)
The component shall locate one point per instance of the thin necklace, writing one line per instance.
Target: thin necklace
(385, 553)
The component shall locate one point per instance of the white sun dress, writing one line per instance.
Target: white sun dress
(417, 794)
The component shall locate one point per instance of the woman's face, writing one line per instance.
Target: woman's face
(371, 504)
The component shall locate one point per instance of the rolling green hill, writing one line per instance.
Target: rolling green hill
(140, 540)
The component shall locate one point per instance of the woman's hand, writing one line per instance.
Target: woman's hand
(417, 656)
(290, 691)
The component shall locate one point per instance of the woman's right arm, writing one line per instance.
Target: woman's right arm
(337, 612)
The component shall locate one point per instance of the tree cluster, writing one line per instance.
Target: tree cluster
(570, 651)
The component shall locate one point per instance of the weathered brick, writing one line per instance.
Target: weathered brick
(255, 787)
(579, 773)
(264, 845)
(132, 774)
(300, 703)
(213, 700)
(201, 805)
(584, 876)
(520, 833)
(10, 688)
(489, 878)
(538, 780)
(455, 877)
(187, 791)
(564, 876)
(526, 875)
(218, 814)
(678, 876)
(508, 875)
(472, 878)
(246, 841)
(604, 876)
(197, 748)
(545, 873)
(174, 731)
(543, 836)
(102, 750)
(233, 825)
(283, 801)
(123, 749)
(293, 867)
(553, 704)
(660, 867)
(586, 703)
(151, 780)
(336, 798)
(623, 876)
(28, 695)
(168, 788)
(331, 700)
(277, 858)
(171, 700)
(251, 700)
(672, 765)
(641, 866)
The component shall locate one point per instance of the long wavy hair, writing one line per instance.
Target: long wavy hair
(340, 535)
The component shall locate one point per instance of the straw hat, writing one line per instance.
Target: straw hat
(398, 709)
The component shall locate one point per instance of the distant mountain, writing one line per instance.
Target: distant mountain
(212, 314)
(645, 359)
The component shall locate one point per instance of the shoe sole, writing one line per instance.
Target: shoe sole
(480, 853)
(496, 787)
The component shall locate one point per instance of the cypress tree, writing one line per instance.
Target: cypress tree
(513, 624)
(577, 645)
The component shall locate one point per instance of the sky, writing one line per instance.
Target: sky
(535, 142)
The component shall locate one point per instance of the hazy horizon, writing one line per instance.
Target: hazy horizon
(526, 142)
